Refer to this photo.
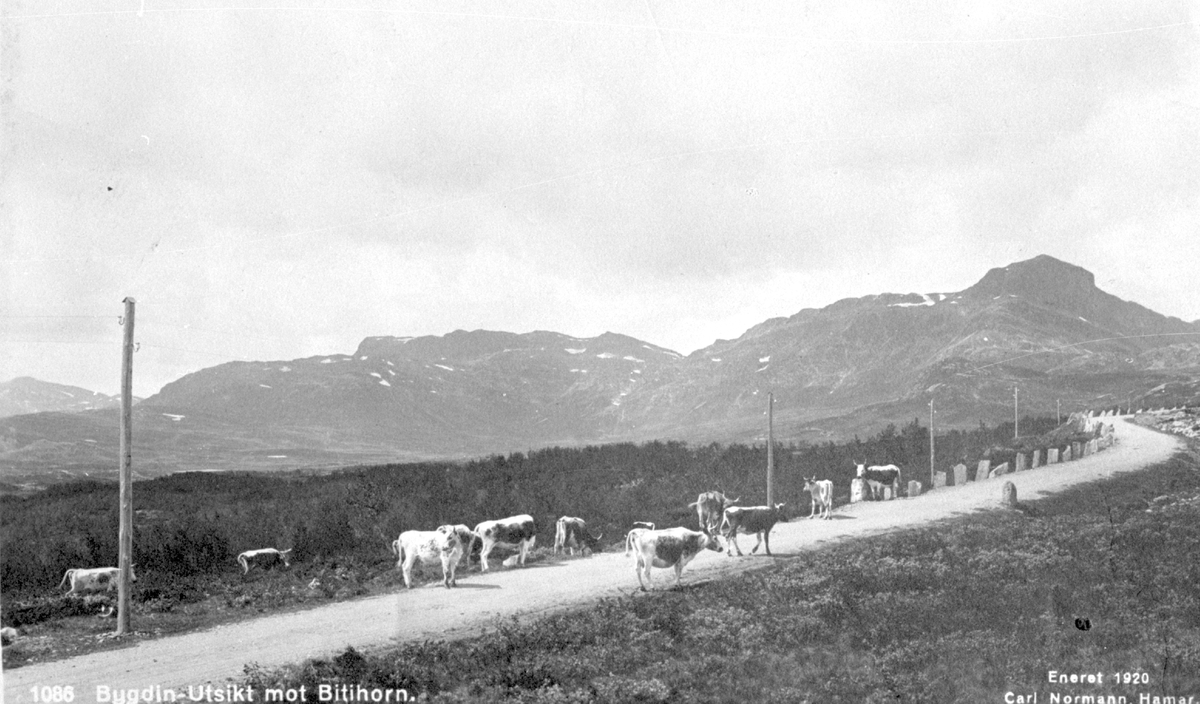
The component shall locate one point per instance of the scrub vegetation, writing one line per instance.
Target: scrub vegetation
(1100, 578)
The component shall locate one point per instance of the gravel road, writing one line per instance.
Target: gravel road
(214, 656)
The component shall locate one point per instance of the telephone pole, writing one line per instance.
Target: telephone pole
(1058, 411)
(1016, 416)
(125, 531)
(770, 449)
(931, 472)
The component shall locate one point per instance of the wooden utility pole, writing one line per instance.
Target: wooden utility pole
(1016, 417)
(1058, 411)
(125, 535)
(931, 473)
(770, 449)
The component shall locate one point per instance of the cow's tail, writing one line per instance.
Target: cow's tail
(629, 543)
(66, 576)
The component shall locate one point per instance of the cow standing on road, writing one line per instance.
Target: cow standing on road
(751, 519)
(264, 558)
(442, 545)
(879, 476)
(709, 507)
(822, 497)
(516, 531)
(671, 547)
(572, 533)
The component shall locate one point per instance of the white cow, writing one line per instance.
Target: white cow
(516, 531)
(95, 579)
(670, 547)
(428, 546)
(822, 496)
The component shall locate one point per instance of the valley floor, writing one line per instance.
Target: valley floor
(432, 612)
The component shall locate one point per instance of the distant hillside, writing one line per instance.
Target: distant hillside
(28, 395)
(1040, 325)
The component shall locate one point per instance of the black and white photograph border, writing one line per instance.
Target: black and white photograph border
(642, 351)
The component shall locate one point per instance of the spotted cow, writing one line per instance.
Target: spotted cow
(93, 580)
(880, 476)
(670, 547)
(572, 533)
(427, 546)
(516, 531)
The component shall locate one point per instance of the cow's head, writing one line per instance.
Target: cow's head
(779, 512)
(713, 542)
(862, 467)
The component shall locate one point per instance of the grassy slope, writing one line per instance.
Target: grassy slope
(960, 612)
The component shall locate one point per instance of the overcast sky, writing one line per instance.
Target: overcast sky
(279, 182)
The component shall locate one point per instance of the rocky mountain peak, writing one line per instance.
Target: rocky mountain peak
(1042, 278)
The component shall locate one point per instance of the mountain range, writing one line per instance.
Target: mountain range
(1040, 326)
(28, 395)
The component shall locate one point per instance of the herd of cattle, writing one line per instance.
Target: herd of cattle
(719, 521)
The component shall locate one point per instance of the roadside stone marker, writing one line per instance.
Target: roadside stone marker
(981, 472)
(960, 474)
(858, 489)
(1066, 454)
(939, 480)
(1035, 459)
(1002, 469)
(1008, 495)
(1052, 456)
(914, 488)
(1022, 462)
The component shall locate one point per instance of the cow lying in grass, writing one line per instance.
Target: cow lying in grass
(751, 519)
(670, 547)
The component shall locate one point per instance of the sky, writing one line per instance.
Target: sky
(279, 180)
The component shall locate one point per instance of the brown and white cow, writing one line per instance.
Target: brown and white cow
(751, 519)
(572, 533)
(879, 476)
(670, 547)
(427, 546)
(92, 580)
(709, 507)
(264, 558)
(516, 531)
(822, 496)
